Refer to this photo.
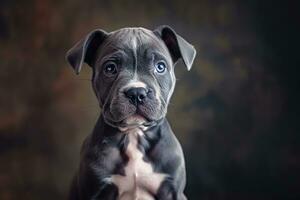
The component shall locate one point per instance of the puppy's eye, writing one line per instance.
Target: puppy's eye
(110, 68)
(160, 67)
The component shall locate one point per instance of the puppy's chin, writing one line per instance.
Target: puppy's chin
(131, 122)
(134, 120)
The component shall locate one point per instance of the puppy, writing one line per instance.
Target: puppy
(132, 153)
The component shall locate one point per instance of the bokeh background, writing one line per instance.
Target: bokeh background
(235, 113)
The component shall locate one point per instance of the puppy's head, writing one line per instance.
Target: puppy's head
(133, 71)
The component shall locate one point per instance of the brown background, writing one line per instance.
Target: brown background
(235, 112)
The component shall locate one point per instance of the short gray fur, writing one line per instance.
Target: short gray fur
(135, 52)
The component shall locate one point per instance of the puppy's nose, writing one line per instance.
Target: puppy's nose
(136, 95)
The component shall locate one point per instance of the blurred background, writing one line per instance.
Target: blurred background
(235, 113)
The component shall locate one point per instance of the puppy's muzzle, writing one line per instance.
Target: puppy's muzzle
(137, 95)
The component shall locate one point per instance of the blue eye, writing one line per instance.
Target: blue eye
(160, 67)
(110, 68)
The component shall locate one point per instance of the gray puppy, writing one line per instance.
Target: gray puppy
(132, 153)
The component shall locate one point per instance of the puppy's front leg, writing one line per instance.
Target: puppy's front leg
(167, 191)
(182, 196)
(108, 192)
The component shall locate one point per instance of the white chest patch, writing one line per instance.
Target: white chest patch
(140, 181)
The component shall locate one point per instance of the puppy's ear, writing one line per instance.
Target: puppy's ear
(178, 47)
(85, 50)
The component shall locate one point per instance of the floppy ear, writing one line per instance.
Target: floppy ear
(85, 50)
(178, 47)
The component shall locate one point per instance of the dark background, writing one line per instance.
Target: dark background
(235, 113)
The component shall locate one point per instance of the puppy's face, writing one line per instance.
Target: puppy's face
(133, 59)
(133, 72)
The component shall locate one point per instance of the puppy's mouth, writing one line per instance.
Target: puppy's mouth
(135, 120)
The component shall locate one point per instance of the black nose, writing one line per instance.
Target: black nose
(136, 95)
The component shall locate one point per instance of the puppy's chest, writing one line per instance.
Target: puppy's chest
(139, 182)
